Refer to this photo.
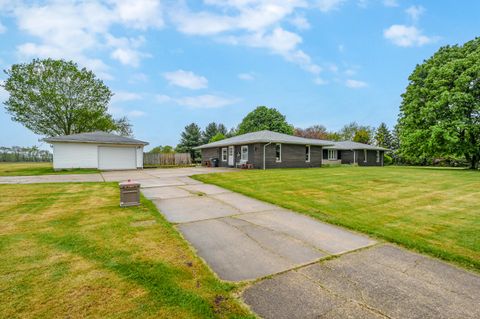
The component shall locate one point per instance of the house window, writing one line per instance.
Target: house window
(278, 153)
(244, 154)
(332, 155)
(378, 156)
(224, 154)
(365, 156)
(307, 153)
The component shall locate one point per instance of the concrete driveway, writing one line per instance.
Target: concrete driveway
(284, 254)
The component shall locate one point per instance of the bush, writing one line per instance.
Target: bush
(387, 160)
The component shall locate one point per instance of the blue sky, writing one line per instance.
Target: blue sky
(171, 63)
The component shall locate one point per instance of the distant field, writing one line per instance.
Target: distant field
(436, 211)
(35, 168)
(69, 251)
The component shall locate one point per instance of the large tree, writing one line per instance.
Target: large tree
(55, 97)
(211, 130)
(264, 118)
(314, 131)
(440, 110)
(349, 131)
(383, 136)
(190, 138)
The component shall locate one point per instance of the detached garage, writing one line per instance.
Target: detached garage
(100, 150)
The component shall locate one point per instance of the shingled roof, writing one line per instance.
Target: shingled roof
(95, 137)
(265, 137)
(349, 145)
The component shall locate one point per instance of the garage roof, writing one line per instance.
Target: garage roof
(265, 137)
(95, 137)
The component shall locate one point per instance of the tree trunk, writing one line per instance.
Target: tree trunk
(474, 161)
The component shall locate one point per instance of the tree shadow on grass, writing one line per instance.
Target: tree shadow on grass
(159, 279)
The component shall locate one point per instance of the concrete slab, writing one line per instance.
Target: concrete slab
(292, 295)
(159, 182)
(165, 192)
(118, 176)
(384, 281)
(64, 178)
(243, 203)
(230, 252)
(205, 188)
(325, 237)
(189, 209)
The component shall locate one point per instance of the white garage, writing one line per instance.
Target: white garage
(101, 150)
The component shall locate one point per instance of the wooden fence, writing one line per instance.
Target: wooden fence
(161, 159)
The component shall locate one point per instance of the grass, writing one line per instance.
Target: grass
(36, 168)
(69, 250)
(434, 211)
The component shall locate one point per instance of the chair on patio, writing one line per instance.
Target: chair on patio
(241, 164)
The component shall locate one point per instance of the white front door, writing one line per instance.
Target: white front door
(231, 155)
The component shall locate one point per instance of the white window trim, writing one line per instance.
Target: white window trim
(224, 153)
(332, 155)
(241, 152)
(309, 150)
(378, 156)
(365, 155)
(279, 159)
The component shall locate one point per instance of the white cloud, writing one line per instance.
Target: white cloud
(76, 29)
(414, 12)
(119, 112)
(390, 3)
(138, 77)
(126, 49)
(3, 28)
(319, 81)
(256, 24)
(186, 79)
(3, 93)
(206, 101)
(406, 36)
(355, 84)
(300, 22)
(136, 113)
(329, 5)
(123, 96)
(246, 76)
(140, 14)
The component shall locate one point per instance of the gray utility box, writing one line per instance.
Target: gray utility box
(129, 194)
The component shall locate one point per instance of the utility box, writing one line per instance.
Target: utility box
(129, 194)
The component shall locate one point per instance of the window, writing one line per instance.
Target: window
(378, 156)
(365, 156)
(332, 155)
(224, 154)
(278, 153)
(307, 153)
(244, 154)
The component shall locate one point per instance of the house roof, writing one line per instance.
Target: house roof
(265, 137)
(95, 137)
(349, 145)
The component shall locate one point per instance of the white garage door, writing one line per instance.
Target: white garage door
(116, 157)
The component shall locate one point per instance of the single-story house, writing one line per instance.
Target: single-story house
(99, 150)
(266, 149)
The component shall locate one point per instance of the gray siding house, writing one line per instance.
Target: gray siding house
(348, 152)
(266, 149)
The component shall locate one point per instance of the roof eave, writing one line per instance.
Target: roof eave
(50, 141)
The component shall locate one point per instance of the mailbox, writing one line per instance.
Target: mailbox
(129, 194)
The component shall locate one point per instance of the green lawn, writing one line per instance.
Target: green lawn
(34, 168)
(435, 211)
(69, 250)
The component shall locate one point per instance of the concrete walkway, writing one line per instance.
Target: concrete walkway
(244, 239)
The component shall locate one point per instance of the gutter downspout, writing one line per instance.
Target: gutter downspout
(353, 156)
(264, 147)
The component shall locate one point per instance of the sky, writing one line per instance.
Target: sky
(171, 63)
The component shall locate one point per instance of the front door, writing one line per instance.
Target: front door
(231, 154)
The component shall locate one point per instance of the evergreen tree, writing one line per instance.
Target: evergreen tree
(383, 137)
(190, 138)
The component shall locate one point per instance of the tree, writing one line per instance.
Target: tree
(211, 130)
(440, 111)
(162, 150)
(55, 97)
(190, 138)
(362, 136)
(383, 137)
(264, 118)
(217, 137)
(315, 131)
(348, 131)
